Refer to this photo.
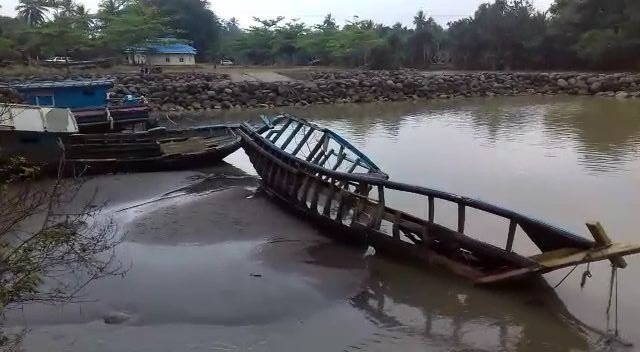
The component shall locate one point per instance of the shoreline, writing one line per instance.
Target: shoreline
(210, 91)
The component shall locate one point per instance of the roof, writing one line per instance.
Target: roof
(172, 48)
(38, 119)
(61, 84)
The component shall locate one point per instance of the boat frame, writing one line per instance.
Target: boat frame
(351, 207)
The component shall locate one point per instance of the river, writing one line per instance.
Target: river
(221, 268)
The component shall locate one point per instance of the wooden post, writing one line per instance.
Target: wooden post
(461, 217)
(317, 185)
(431, 209)
(603, 240)
(396, 226)
(329, 200)
(512, 235)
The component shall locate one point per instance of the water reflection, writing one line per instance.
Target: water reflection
(454, 315)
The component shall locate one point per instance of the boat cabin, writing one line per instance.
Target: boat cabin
(34, 132)
(70, 94)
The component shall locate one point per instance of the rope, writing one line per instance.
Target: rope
(565, 277)
(586, 275)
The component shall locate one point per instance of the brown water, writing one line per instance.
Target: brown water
(222, 269)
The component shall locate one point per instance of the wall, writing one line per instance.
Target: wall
(174, 59)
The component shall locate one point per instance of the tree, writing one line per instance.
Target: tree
(33, 12)
(136, 24)
(193, 21)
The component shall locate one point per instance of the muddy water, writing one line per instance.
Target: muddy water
(216, 267)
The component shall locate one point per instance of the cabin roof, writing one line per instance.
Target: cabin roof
(37, 119)
(61, 84)
(169, 48)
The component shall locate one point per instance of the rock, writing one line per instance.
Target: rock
(211, 94)
(115, 318)
(595, 87)
(622, 95)
(562, 83)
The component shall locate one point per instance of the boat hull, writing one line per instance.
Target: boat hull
(351, 206)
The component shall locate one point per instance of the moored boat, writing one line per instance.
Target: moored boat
(49, 138)
(88, 100)
(314, 172)
(154, 150)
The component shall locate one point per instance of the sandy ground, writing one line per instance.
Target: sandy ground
(216, 266)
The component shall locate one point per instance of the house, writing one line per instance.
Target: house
(162, 54)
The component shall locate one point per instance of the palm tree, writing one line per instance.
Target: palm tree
(32, 11)
(66, 8)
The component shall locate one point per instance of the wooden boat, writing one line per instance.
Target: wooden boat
(319, 175)
(153, 150)
(94, 111)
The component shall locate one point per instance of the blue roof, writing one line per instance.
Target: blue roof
(173, 48)
(62, 84)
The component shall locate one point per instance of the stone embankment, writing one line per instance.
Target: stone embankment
(198, 91)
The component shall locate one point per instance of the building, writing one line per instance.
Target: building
(163, 54)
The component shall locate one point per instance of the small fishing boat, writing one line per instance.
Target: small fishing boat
(316, 173)
(153, 150)
(46, 137)
(88, 99)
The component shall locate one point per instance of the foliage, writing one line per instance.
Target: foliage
(48, 252)
(193, 21)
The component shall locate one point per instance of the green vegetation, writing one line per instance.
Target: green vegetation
(502, 34)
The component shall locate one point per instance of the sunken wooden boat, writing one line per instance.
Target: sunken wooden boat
(154, 150)
(316, 173)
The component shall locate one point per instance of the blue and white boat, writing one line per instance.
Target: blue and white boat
(89, 101)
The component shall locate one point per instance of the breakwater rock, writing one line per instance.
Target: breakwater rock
(197, 91)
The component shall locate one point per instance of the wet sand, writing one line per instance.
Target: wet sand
(216, 266)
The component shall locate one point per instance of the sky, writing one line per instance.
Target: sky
(313, 11)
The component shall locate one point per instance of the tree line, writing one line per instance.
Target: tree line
(503, 34)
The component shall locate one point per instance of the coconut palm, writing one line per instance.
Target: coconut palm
(33, 12)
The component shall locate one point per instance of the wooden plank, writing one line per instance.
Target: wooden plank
(304, 190)
(602, 239)
(339, 161)
(461, 217)
(317, 147)
(431, 209)
(341, 206)
(353, 165)
(325, 158)
(303, 141)
(293, 134)
(329, 200)
(317, 186)
(377, 218)
(507, 275)
(614, 250)
(281, 131)
(396, 225)
(316, 160)
(513, 224)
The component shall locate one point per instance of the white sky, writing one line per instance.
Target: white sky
(313, 11)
